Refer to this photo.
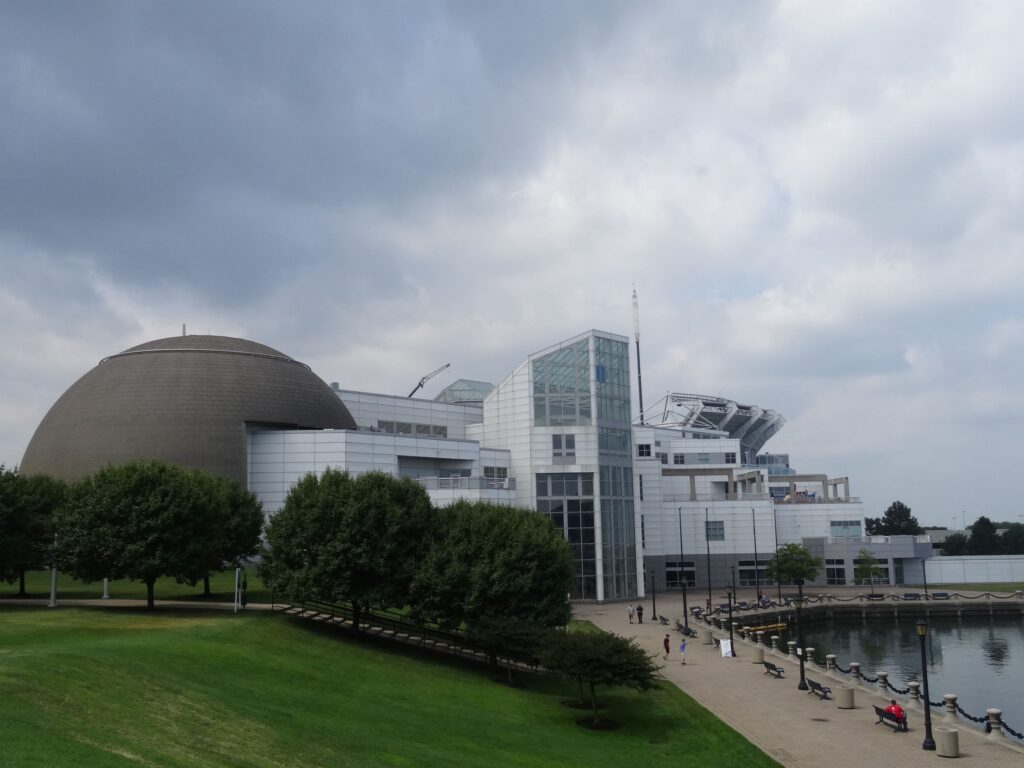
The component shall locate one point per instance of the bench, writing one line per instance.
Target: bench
(823, 691)
(888, 717)
(911, 595)
(663, 620)
(873, 596)
(774, 669)
(940, 595)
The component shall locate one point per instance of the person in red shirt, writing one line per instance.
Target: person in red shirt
(665, 643)
(896, 711)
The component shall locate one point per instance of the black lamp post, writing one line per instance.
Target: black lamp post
(929, 743)
(734, 592)
(732, 649)
(924, 575)
(778, 574)
(707, 541)
(682, 568)
(800, 633)
(654, 596)
(757, 578)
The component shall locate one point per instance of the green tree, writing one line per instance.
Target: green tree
(793, 563)
(955, 544)
(896, 521)
(242, 516)
(866, 569)
(984, 539)
(599, 658)
(140, 521)
(494, 562)
(1013, 539)
(27, 505)
(342, 538)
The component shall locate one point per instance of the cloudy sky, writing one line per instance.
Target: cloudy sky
(821, 206)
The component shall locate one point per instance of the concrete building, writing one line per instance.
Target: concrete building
(683, 491)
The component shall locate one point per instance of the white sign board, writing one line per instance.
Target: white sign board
(726, 648)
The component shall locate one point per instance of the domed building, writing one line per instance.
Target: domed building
(185, 400)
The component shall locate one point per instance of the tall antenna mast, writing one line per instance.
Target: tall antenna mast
(636, 335)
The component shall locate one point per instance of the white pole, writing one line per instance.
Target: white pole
(53, 588)
(238, 572)
(106, 588)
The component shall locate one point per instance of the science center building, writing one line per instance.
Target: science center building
(687, 494)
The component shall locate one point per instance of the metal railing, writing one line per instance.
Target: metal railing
(475, 482)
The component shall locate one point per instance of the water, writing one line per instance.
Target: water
(980, 659)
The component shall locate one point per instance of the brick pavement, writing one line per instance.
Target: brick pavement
(791, 725)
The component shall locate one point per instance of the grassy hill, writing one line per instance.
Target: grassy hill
(92, 687)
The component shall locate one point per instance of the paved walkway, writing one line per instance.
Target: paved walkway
(791, 725)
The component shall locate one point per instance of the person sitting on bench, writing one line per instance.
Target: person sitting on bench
(896, 711)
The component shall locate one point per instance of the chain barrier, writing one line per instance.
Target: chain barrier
(972, 718)
(937, 704)
(844, 671)
(867, 679)
(894, 689)
(1010, 730)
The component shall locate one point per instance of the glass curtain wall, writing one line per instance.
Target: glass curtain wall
(618, 537)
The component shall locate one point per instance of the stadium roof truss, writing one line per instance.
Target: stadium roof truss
(752, 425)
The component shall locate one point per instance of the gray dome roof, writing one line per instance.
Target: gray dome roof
(185, 400)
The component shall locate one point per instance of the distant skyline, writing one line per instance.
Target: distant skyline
(819, 205)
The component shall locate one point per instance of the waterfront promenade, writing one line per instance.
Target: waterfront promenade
(791, 725)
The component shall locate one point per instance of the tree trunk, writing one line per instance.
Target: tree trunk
(21, 583)
(582, 699)
(593, 697)
(206, 585)
(149, 593)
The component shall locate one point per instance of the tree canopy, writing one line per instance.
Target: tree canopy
(1013, 539)
(599, 658)
(494, 562)
(866, 569)
(143, 520)
(896, 521)
(955, 544)
(793, 563)
(984, 540)
(27, 506)
(342, 538)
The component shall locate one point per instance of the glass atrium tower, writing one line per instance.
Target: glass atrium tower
(564, 415)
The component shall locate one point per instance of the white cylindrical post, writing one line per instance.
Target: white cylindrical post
(238, 573)
(106, 589)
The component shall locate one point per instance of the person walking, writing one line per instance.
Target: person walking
(682, 651)
(665, 643)
(639, 614)
(631, 612)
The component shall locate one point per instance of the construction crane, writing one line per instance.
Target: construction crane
(427, 378)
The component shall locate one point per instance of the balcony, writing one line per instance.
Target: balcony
(475, 482)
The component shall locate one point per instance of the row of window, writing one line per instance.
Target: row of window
(643, 450)
(407, 428)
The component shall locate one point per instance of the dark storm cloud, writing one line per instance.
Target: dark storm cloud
(166, 140)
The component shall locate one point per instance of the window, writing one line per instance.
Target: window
(563, 445)
(715, 530)
(835, 571)
(497, 477)
(703, 458)
(678, 458)
(662, 457)
(730, 458)
(845, 529)
(643, 450)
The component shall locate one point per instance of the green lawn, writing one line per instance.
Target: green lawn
(222, 588)
(90, 687)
